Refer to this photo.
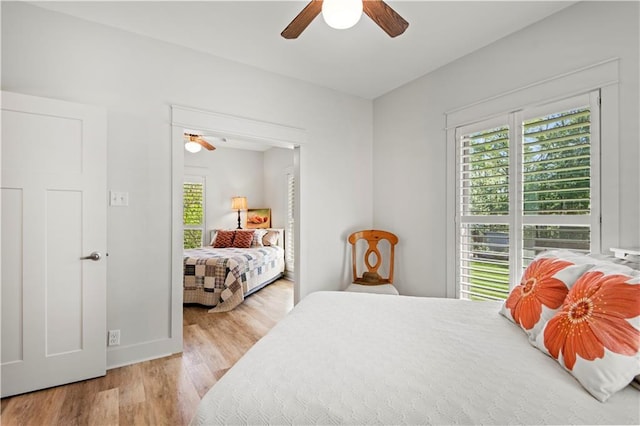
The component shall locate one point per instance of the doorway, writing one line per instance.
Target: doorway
(231, 127)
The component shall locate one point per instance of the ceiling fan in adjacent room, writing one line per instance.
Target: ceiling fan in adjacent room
(194, 142)
(342, 14)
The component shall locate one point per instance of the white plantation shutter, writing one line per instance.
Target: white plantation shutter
(484, 207)
(557, 163)
(484, 179)
(193, 211)
(527, 182)
(560, 177)
(289, 231)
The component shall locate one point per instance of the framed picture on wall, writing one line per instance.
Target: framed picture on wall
(258, 218)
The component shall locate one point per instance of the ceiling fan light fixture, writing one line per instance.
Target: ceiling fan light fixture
(341, 14)
(192, 147)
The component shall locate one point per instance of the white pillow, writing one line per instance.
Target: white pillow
(257, 238)
(632, 261)
(271, 238)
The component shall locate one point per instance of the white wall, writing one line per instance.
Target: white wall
(276, 163)
(228, 173)
(137, 80)
(410, 190)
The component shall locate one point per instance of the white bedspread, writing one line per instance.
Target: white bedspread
(356, 358)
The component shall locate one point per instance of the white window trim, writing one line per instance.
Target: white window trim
(601, 76)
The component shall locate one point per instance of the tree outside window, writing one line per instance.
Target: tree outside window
(193, 214)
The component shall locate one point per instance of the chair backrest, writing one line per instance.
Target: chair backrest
(373, 237)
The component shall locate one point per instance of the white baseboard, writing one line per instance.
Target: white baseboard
(119, 356)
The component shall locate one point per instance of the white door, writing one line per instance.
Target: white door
(53, 214)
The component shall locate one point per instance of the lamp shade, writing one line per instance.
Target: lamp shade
(239, 203)
(341, 14)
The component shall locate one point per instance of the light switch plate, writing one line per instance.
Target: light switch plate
(118, 198)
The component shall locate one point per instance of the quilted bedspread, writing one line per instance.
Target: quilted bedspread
(220, 277)
(361, 359)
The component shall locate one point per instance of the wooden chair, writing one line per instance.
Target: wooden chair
(370, 281)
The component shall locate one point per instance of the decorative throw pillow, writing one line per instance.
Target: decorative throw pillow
(214, 234)
(243, 239)
(270, 238)
(257, 238)
(224, 239)
(542, 289)
(596, 333)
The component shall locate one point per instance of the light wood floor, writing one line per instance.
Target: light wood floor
(165, 391)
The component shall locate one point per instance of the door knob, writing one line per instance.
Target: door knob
(95, 256)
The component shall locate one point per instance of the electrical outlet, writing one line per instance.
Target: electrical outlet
(113, 338)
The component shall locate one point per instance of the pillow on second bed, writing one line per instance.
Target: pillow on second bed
(223, 239)
(243, 238)
(214, 234)
(257, 238)
(270, 238)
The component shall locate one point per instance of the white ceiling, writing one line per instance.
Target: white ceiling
(362, 61)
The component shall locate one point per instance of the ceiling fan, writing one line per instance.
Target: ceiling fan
(380, 12)
(194, 143)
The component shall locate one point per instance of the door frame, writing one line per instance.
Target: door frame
(228, 126)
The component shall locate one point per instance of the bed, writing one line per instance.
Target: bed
(221, 278)
(360, 358)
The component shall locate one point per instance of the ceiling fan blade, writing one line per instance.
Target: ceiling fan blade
(205, 144)
(302, 21)
(386, 18)
(190, 137)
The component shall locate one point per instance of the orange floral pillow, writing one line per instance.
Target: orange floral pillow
(595, 335)
(542, 289)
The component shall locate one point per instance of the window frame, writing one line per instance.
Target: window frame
(603, 75)
(516, 219)
(594, 219)
(502, 120)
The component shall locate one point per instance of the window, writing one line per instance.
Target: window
(193, 211)
(289, 256)
(526, 182)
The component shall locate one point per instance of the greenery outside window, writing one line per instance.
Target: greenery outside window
(193, 211)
